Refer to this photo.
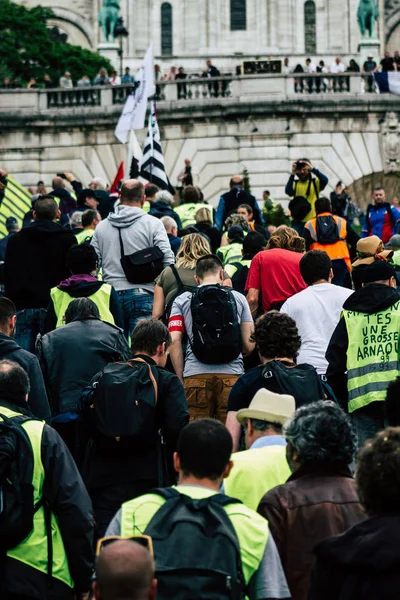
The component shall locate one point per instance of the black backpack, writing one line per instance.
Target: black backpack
(120, 404)
(181, 289)
(327, 230)
(301, 381)
(196, 549)
(17, 507)
(216, 335)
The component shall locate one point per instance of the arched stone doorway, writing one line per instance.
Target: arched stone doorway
(362, 189)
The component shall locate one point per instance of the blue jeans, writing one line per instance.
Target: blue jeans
(30, 322)
(135, 306)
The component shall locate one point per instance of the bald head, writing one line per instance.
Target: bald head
(58, 183)
(237, 180)
(124, 571)
(132, 193)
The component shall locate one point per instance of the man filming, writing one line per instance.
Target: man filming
(305, 186)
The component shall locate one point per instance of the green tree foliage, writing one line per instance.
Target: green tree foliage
(246, 181)
(275, 215)
(26, 49)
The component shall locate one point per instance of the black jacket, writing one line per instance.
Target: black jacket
(84, 289)
(160, 210)
(71, 355)
(370, 300)
(35, 262)
(234, 198)
(66, 494)
(67, 202)
(38, 403)
(361, 564)
(103, 468)
(213, 234)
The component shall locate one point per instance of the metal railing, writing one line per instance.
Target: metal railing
(197, 90)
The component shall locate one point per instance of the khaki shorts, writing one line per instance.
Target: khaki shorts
(207, 395)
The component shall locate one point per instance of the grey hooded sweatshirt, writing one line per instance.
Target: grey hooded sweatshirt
(139, 231)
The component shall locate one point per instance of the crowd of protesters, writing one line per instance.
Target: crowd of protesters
(186, 394)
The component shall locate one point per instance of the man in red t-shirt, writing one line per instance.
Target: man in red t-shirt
(275, 272)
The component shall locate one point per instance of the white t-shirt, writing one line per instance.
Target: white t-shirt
(337, 68)
(316, 311)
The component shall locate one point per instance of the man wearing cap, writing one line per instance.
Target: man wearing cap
(233, 251)
(394, 245)
(363, 351)
(263, 465)
(12, 228)
(369, 250)
(381, 217)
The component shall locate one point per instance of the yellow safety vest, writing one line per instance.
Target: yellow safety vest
(146, 206)
(33, 550)
(255, 472)
(187, 212)
(232, 268)
(251, 529)
(308, 189)
(231, 253)
(372, 355)
(61, 301)
(84, 236)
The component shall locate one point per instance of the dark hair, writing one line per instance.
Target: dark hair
(208, 264)
(84, 195)
(378, 473)
(379, 188)
(190, 194)
(46, 208)
(7, 310)
(276, 336)
(323, 205)
(88, 217)
(321, 432)
(81, 309)
(392, 403)
(253, 243)
(314, 266)
(81, 258)
(148, 335)
(247, 207)
(132, 194)
(267, 192)
(204, 449)
(14, 383)
(151, 190)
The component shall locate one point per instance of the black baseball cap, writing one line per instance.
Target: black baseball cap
(378, 271)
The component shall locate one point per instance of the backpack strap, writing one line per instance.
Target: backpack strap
(121, 245)
(151, 375)
(181, 287)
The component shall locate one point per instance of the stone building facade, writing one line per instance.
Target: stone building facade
(228, 31)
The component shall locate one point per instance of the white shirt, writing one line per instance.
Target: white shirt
(311, 68)
(316, 311)
(337, 68)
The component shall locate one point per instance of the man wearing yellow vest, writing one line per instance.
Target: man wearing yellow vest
(263, 465)
(55, 560)
(82, 262)
(305, 186)
(203, 462)
(363, 353)
(333, 235)
(191, 202)
(90, 219)
(232, 253)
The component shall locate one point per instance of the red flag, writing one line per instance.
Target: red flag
(120, 175)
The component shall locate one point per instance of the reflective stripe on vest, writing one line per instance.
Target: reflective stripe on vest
(61, 301)
(84, 236)
(187, 212)
(230, 253)
(33, 550)
(251, 529)
(232, 268)
(372, 355)
(336, 251)
(255, 472)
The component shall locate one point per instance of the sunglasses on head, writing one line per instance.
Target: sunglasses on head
(143, 540)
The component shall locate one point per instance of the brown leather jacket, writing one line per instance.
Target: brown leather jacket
(317, 502)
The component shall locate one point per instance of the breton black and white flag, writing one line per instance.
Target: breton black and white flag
(152, 166)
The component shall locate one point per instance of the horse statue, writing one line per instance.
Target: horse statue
(368, 13)
(108, 17)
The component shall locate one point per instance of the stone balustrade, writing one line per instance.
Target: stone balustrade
(195, 90)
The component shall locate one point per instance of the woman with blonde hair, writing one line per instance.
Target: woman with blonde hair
(179, 278)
